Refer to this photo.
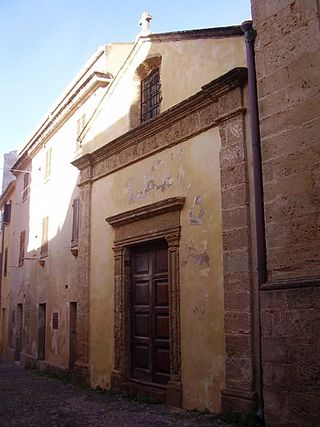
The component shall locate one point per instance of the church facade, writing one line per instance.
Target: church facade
(164, 238)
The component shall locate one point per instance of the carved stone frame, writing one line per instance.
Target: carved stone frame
(144, 69)
(160, 220)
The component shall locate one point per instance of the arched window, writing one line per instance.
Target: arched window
(146, 104)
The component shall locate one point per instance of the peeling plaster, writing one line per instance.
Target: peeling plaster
(54, 341)
(199, 257)
(205, 272)
(152, 183)
(196, 211)
(201, 306)
(34, 347)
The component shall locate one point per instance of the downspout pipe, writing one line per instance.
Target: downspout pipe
(249, 35)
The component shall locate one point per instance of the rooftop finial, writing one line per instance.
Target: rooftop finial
(145, 24)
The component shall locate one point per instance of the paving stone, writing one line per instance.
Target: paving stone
(30, 400)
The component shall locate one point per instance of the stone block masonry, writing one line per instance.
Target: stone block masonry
(288, 64)
(291, 356)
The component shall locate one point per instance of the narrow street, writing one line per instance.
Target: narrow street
(28, 399)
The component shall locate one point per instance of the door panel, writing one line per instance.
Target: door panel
(150, 313)
(42, 332)
(72, 335)
(162, 326)
(161, 294)
(141, 325)
(19, 332)
(141, 294)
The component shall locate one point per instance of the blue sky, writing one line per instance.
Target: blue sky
(44, 43)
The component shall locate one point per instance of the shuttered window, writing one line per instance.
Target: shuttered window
(25, 191)
(75, 221)
(22, 248)
(5, 267)
(81, 124)
(47, 171)
(7, 213)
(44, 239)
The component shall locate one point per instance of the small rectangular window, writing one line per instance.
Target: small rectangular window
(55, 320)
(47, 171)
(26, 186)
(5, 266)
(81, 124)
(150, 96)
(22, 248)
(75, 221)
(7, 213)
(44, 238)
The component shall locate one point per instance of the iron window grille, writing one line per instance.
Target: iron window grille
(150, 96)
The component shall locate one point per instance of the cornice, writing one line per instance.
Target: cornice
(219, 32)
(148, 211)
(19, 163)
(205, 99)
(58, 118)
(7, 192)
(152, 127)
(83, 161)
(226, 83)
(291, 283)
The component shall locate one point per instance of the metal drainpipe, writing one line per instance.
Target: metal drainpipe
(249, 35)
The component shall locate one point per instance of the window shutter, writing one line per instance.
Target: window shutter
(48, 163)
(44, 240)
(75, 221)
(5, 268)
(22, 247)
(7, 213)
(25, 186)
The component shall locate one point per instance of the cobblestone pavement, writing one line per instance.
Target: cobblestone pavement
(28, 399)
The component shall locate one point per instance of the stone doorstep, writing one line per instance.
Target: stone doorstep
(43, 365)
(10, 352)
(147, 391)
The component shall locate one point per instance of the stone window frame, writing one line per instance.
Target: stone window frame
(159, 220)
(147, 67)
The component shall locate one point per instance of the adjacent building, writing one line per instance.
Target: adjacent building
(288, 64)
(7, 206)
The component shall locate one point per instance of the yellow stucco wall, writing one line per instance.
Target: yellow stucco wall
(5, 283)
(186, 66)
(190, 169)
(54, 284)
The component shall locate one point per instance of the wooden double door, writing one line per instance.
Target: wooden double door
(150, 346)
